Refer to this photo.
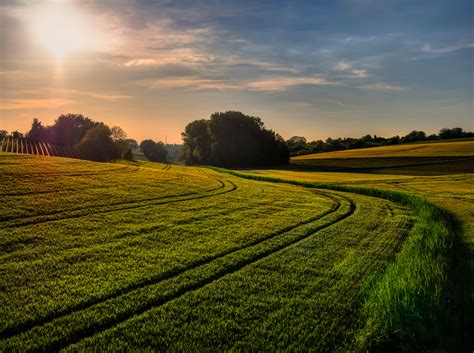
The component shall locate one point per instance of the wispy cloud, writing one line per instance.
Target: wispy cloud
(360, 73)
(382, 87)
(282, 83)
(13, 104)
(446, 50)
(263, 84)
(342, 66)
(112, 97)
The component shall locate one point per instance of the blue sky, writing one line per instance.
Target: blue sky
(310, 68)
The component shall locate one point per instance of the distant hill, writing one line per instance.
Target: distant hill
(434, 158)
(27, 146)
(456, 148)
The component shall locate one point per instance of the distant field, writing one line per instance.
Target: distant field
(434, 158)
(152, 256)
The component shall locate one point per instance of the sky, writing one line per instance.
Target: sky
(342, 68)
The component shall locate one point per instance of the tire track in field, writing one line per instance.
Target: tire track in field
(124, 169)
(176, 272)
(81, 211)
(140, 232)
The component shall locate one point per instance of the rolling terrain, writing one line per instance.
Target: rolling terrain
(428, 158)
(451, 192)
(152, 256)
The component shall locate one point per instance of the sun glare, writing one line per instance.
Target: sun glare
(60, 27)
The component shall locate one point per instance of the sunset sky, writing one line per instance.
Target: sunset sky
(308, 68)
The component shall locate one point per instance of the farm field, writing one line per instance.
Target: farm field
(452, 192)
(151, 256)
(429, 158)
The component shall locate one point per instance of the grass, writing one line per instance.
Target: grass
(451, 193)
(403, 302)
(163, 257)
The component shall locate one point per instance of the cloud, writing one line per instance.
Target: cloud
(13, 104)
(360, 73)
(177, 56)
(342, 66)
(382, 87)
(269, 84)
(446, 50)
(282, 83)
(100, 95)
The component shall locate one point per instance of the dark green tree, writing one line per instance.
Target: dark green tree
(154, 151)
(97, 145)
(36, 131)
(232, 139)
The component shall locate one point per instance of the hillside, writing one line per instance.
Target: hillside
(435, 158)
(99, 256)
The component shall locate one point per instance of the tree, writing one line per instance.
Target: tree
(232, 139)
(453, 133)
(296, 144)
(70, 129)
(414, 136)
(197, 143)
(97, 145)
(120, 139)
(36, 131)
(3, 134)
(16, 134)
(154, 151)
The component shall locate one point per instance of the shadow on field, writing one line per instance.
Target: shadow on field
(386, 165)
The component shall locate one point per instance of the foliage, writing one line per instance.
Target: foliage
(97, 145)
(153, 151)
(232, 139)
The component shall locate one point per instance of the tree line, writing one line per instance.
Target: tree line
(94, 140)
(228, 139)
(298, 145)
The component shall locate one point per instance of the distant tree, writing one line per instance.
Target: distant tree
(414, 136)
(432, 137)
(120, 139)
(154, 151)
(16, 134)
(97, 144)
(118, 133)
(394, 140)
(3, 134)
(128, 155)
(133, 144)
(296, 144)
(36, 131)
(454, 133)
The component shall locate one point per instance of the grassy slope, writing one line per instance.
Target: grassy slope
(102, 256)
(453, 193)
(432, 149)
(434, 158)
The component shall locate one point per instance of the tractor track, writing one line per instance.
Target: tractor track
(176, 272)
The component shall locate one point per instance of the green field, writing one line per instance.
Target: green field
(429, 158)
(146, 256)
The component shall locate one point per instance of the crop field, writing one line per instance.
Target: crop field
(433, 158)
(451, 192)
(152, 256)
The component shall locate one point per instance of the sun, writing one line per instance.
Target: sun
(60, 27)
